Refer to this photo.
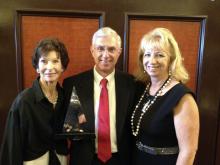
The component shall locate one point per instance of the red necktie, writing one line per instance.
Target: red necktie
(104, 142)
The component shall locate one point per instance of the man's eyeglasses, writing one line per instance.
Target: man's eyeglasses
(102, 49)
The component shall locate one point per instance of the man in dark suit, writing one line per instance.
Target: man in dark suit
(105, 49)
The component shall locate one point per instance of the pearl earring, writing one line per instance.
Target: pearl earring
(170, 73)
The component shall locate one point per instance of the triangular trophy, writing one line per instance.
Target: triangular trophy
(74, 110)
(72, 127)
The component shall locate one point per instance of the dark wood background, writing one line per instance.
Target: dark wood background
(208, 91)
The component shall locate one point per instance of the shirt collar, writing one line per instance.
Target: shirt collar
(37, 90)
(39, 93)
(98, 77)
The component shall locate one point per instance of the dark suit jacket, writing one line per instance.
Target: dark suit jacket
(82, 151)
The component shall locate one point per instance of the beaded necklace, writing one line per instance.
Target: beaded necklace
(147, 105)
(51, 98)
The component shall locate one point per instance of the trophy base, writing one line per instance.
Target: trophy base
(75, 135)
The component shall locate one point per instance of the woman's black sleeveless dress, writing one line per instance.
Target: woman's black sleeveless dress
(157, 127)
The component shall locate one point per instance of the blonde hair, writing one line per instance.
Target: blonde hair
(162, 38)
(104, 32)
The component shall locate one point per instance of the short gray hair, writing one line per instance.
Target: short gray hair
(106, 31)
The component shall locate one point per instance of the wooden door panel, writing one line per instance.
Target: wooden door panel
(186, 32)
(75, 31)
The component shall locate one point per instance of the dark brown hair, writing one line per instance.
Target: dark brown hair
(47, 45)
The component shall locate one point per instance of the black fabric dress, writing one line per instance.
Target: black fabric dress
(31, 124)
(157, 127)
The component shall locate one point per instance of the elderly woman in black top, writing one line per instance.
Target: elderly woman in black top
(35, 114)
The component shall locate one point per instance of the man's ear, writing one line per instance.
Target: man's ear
(119, 50)
(91, 49)
(37, 70)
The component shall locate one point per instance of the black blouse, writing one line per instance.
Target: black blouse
(31, 124)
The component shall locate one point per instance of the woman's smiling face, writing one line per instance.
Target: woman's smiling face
(156, 62)
(50, 67)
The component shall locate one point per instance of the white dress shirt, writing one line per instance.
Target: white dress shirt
(112, 106)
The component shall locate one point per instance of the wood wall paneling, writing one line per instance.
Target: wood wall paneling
(217, 157)
(75, 31)
(186, 31)
(115, 13)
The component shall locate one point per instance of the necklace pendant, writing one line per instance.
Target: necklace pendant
(145, 106)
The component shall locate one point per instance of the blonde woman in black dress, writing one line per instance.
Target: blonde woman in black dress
(165, 121)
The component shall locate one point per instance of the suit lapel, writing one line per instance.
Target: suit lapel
(121, 104)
